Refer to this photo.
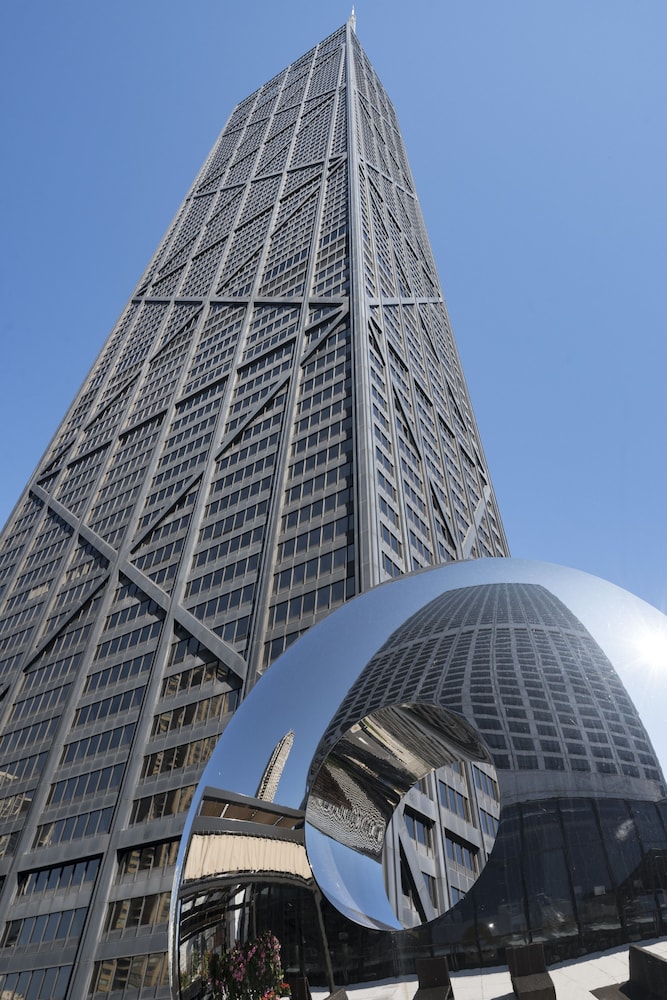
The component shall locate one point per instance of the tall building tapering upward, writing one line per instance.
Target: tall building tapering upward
(278, 421)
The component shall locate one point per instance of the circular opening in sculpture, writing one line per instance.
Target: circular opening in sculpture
(439, 839)
(365, 832)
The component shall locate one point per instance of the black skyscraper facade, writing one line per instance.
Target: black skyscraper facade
(277, 422)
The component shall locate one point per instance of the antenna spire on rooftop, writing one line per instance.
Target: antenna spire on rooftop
(353, 21)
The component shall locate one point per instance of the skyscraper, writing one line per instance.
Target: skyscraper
(278, 421)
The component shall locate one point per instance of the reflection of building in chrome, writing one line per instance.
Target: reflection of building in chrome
(488, 708)
(540, 691)
(518, 664)
(440, 835)
(442, 838)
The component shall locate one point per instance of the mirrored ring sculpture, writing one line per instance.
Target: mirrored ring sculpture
(452, 763)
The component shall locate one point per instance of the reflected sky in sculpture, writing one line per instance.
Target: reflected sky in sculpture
(334, 693)
(632, 633)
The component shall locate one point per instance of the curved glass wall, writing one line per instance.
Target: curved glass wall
(513, 680)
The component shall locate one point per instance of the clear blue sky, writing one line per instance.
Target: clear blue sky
(536, 134)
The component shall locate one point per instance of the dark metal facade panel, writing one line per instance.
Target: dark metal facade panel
(277, 422)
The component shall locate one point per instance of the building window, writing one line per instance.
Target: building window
(462, 854)
(38, 983)
(142, 971)
(488, 823)
(419, 829)
(453, 800)
(43, 928)
(485, 783)
(69, 876)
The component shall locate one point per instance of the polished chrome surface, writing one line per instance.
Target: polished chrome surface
(365, 726)
(356, 790)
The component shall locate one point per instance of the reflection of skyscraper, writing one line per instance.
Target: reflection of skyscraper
(278, 421)
(518, 664)
(494, 661)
